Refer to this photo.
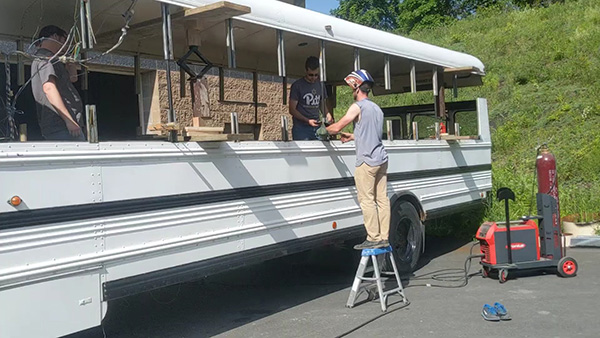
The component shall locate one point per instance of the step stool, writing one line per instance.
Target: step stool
(357, 288)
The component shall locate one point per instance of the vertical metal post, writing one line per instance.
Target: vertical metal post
(235, 129)
(387, 72)
(284, 128)
(438, 131)
(415, 129)
(83, 23)
(168, 53)
(221, 84)
(390, 130)
(356, 58)
(281, 53)
(455, 85)
(322, 61)
(255, 101)
(137, 66)
(323, 76)
(284, 89)
(230, 45)
(20, 64)
(438, 92)
(92, 123)
(413, 77)
(456, 129)
(88, 16)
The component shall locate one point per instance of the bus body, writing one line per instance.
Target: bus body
(101, 221)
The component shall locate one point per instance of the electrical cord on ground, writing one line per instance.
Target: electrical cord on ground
(450, 275)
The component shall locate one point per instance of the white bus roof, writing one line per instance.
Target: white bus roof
(256, 39)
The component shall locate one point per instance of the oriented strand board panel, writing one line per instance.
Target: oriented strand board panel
(206, 16)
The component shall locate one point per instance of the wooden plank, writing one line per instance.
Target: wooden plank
(216, 137)
(454, 137)
(212, 14)
(196, 18)
(461, 70)
(217, 130)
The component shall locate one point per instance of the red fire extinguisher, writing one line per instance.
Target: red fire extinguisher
(548, 184)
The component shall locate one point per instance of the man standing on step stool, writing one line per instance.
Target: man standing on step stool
(370, 175)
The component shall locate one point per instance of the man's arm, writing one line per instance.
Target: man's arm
(292, 107)
(56, 101)
(352, 113)
(72, 70)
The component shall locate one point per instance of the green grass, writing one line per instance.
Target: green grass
(542, 86)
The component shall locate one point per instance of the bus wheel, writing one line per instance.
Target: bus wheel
(406, 235)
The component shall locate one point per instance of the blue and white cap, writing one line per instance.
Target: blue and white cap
(358, 77)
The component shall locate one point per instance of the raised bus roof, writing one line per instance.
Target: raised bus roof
(255, 37)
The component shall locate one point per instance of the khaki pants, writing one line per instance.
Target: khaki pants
(371, 184)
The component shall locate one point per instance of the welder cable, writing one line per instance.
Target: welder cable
(450, 275)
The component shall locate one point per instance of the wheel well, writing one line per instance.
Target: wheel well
(412, 199)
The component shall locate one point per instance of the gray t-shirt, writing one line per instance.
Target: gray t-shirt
(41, 71)
(367, 135)
(308, 96)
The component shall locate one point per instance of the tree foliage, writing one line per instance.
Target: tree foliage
(403, 16)
(380, 14)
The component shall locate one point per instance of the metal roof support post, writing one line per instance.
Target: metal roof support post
(20, 64)
(413, 77)
(323, 75)
(281, 53)
(137, 66)
(255, 101)
(455, 85)
(83, 23)
(356, 58)
(322, 63)
(168, 53)
(438, 92)
(230, 45)
(387, 72)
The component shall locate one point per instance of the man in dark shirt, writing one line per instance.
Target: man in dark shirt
(305, 102)
(59, 106)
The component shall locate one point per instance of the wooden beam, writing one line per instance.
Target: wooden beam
(212, 14)
(199, 18)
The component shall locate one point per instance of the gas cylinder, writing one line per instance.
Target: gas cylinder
(548, 184)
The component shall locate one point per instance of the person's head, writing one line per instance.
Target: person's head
(52, 38)
(361, 83)
(312, 69)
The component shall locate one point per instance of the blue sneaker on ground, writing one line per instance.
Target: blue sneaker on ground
(489, 313)
(501, 310)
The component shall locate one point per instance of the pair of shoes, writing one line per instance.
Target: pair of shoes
(367, 245)
(495, 313)
(501, 310)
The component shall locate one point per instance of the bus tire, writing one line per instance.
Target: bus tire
(406, 235)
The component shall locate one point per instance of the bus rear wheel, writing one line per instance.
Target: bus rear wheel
(406, 235)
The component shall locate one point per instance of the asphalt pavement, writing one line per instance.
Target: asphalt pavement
(304, 295)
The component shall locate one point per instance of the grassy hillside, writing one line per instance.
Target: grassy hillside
(543, 86)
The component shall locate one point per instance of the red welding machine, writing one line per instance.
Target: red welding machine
(523, 244)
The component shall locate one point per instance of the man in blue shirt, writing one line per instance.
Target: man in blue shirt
(305, 102)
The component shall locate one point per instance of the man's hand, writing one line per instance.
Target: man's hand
(329, 118)
(347, 137)
(74, 128)
(313, 123)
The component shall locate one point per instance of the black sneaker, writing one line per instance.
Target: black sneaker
(383, 244)
(366, 245)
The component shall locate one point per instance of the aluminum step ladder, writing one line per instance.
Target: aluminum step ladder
(358, 287)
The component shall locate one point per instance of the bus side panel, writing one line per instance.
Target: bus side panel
(51, 308)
